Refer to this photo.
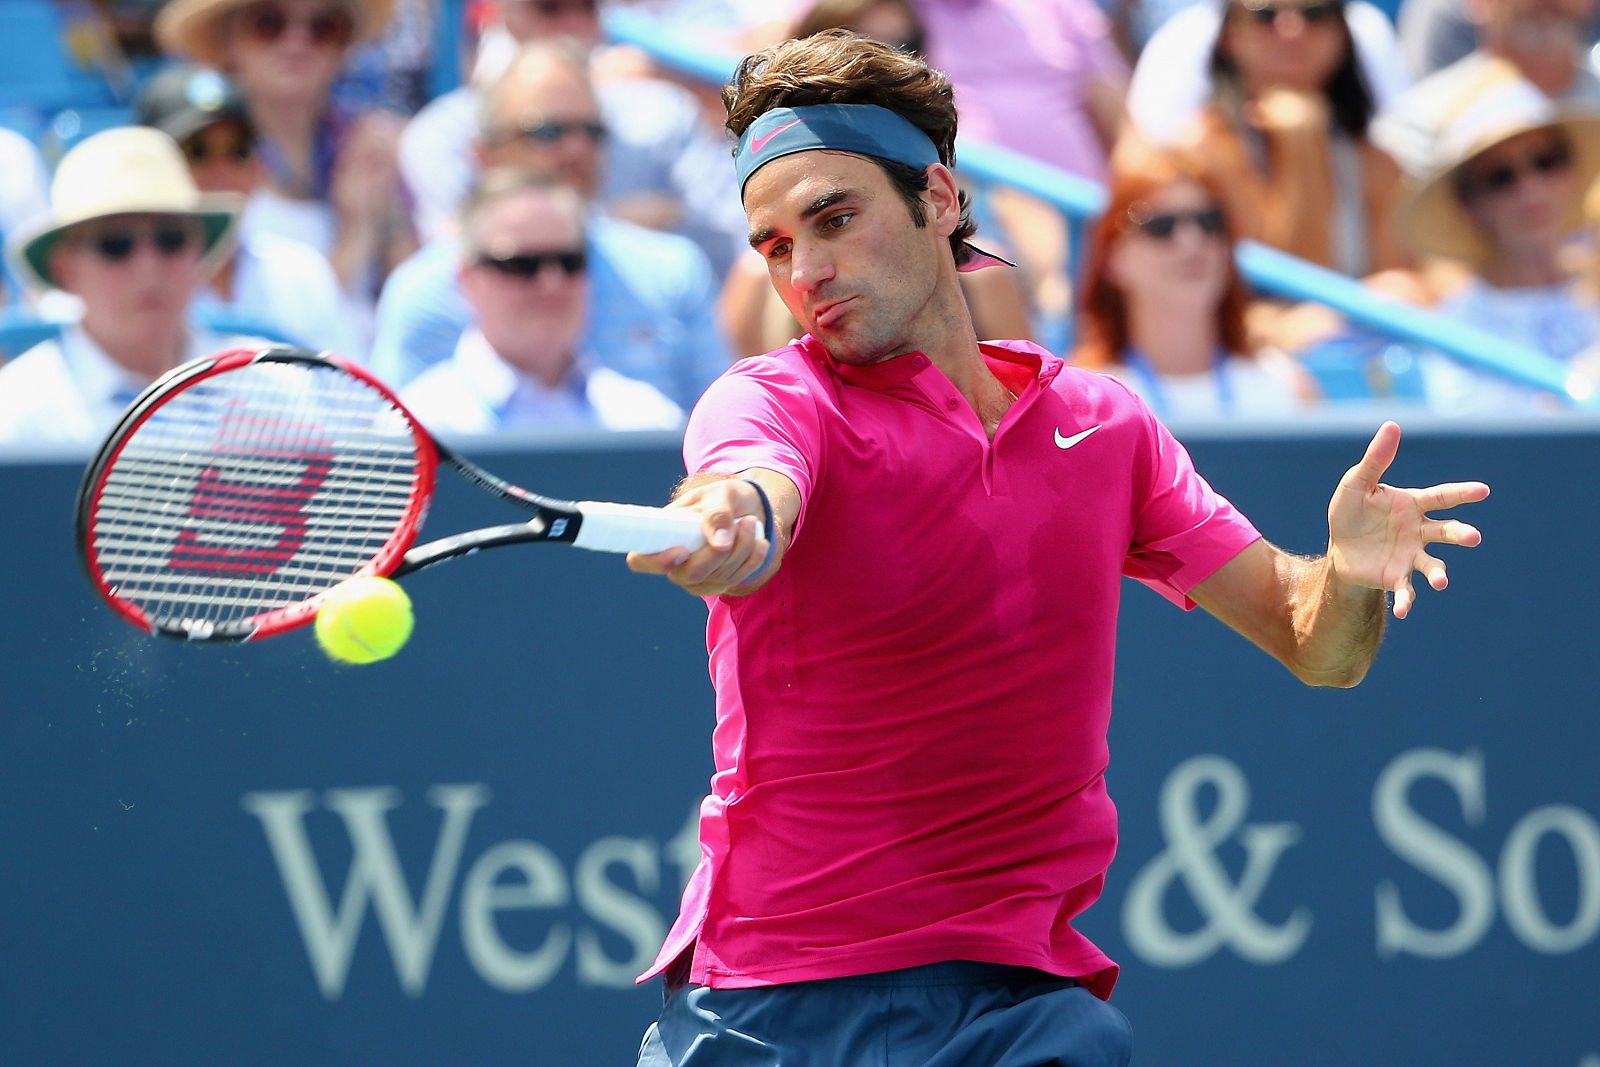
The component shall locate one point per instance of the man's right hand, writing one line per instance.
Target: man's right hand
(734, 521)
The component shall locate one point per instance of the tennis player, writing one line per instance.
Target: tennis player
(915, 549)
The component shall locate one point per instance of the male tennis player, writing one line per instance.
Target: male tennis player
(916, 542)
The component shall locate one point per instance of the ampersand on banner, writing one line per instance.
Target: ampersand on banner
(1229, 908)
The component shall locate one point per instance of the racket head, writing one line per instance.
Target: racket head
(240, 487)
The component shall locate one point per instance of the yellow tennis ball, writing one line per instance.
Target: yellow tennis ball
(363, 620)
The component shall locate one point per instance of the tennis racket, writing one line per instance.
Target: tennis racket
(240, 487)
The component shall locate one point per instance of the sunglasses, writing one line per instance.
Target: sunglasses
(199, 151)
(1501, 178)
(571, 262)
(550, 133)
(269, 23)
(118, 246)
(1163, 226)
(1316, 14)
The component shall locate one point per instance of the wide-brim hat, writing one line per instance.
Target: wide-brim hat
(1498, 105)
(193, 28)
(129, 170)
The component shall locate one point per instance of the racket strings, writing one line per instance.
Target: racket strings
(253, 490)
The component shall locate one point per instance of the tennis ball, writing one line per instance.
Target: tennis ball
(363, 620)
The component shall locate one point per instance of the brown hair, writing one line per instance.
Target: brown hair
(840, 67)
(1139, 172)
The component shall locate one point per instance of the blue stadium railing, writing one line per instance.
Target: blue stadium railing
(1270, 271)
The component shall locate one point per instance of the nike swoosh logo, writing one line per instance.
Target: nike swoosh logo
(1068, 442)
(758, 143)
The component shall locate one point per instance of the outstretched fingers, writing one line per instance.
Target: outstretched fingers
(1451, 494)
(1450, 532)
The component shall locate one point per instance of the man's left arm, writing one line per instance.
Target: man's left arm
(1322, 617)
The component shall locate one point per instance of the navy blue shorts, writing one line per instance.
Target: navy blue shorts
(943, 1015)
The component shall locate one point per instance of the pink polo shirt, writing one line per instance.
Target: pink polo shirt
(911, 715)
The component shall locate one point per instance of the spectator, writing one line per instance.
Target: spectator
(1287, 130)
(1504, 204)
(652, 293)
(1543, 39)
(1163, 305)
(129, 235)
(521, 367)
(1172, 79)
(894, 22)
(332, 181)
(281, 287)
(664, 167)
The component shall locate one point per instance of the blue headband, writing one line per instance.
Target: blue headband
(865, 129)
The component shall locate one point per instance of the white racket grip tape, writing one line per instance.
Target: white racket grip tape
(636, 528)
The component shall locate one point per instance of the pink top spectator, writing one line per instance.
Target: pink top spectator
(911, 718)
(1020, 68)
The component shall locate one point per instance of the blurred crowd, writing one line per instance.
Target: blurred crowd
(520, 226)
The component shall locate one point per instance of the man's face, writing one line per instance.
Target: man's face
(1520, 192)
(539, 20)
(135, 275)
(845, 255)
(529, 304)
(545, 121)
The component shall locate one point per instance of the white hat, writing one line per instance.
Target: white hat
(1497, 106)
(125, 171)
(193, 28)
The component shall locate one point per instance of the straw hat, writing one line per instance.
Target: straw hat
(193, 29)
(124, 171)
(1497, 106)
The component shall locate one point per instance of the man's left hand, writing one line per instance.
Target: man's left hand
(1378, 534)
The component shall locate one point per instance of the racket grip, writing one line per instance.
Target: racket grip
(636, 528)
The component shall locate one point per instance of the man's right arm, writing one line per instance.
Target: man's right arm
(737, 558)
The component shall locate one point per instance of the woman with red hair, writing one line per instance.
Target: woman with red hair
(1163, 305)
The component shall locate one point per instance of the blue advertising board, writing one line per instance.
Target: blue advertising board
(464, 855)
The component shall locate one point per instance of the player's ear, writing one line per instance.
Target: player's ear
(944, 199)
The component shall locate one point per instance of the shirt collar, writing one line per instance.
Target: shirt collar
(100, 378)
(497, 382)
(902, 369)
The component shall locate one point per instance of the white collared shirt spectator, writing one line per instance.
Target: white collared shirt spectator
(523, 271)
(132, 238)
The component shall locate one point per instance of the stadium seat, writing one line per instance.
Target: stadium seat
(36, 68)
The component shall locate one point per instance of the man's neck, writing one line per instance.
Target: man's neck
(1174, 344)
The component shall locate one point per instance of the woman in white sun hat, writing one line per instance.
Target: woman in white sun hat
(131, 237)
(333, 181)
(1497, 218)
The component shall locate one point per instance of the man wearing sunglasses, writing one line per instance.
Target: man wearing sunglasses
(133, 239)
(522, 365)
(652, 294)
(271, 284)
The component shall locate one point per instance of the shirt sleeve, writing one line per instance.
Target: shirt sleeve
(759, 414)
(1183, 530)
